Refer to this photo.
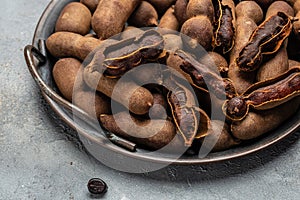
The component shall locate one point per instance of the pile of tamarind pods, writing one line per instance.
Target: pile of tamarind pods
(250, 73)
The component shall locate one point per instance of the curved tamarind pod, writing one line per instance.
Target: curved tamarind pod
(191, 121)
(266, 39)
(224, 30)
(264, 95)
(127, 54)
(200, 76)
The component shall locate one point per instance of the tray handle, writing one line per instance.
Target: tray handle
(31, 52)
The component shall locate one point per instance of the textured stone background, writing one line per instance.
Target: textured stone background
(40, 158)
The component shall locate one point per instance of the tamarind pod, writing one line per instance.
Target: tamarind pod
(201, 76)
(67, 44)
(169, 22)
(144, 16)
(241, 80)
(151, 134)
(127, 54)
(224, 30)
(266, 39)
(220, 133)
(280, 6)
(257, 123)
(180, 11)
(200, 7)
(275, 66)
(111, 15)
(190, 120)
(264, 95)
(249, 9)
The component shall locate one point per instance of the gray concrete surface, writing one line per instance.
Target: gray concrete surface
(41, 159)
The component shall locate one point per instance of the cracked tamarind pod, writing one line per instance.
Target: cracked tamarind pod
(144, 16)
(249, 9)
(200, 75)
(257, 123)
(191, 121)
(224, 27)
(122, 56)
(111, 15)
(265, 40)
(264, 95)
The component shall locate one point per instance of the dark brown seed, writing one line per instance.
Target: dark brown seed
(97, 186)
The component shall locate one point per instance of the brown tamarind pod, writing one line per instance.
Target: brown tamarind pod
(168, 22)
(275, 66)
(151, 134)
(216, 62)
(199, 31)
(111, 15)
(191, 121)
(75, 17)
(91, 4)
(265, 40)
(220, 133)
(122, 56)
(241, 80)
(264, 95)
(280, 6)
(257, 123)
(180, 11)
(144, 16)
(200, 75)
(200, 7)
(161, 6)
(224, 28)
(67, 44)
(250, 9)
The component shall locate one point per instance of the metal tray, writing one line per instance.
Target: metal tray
(40, 66)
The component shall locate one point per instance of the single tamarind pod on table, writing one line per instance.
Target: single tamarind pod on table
(265, 40)
(111, 15)
(250, 9)
(264, 95)
(144, 16)
(75, 17)
(67, 44)
(258, 123)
